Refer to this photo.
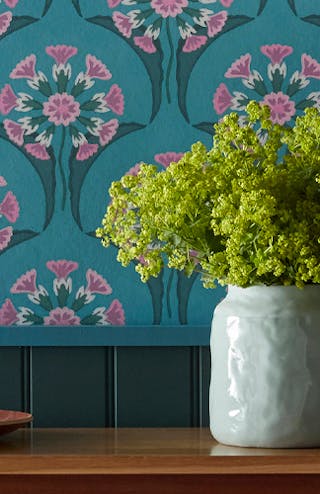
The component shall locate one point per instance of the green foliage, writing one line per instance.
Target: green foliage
(245, 212)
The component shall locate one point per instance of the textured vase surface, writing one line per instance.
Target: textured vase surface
(265, 367)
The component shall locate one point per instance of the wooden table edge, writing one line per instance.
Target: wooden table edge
(156, 465)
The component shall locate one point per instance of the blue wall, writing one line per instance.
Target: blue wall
(90, 89)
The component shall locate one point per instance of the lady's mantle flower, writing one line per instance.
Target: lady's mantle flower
(64, 311)
(279, 98)
(63, 106)
(150, 16)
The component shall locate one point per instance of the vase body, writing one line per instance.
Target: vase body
(265, 367)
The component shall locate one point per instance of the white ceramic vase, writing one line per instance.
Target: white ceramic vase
(265, 367)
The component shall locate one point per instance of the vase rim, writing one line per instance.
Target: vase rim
(236, 288)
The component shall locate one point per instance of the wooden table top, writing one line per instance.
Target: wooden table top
(147, 451)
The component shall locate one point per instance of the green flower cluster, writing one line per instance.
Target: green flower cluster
(245, 212)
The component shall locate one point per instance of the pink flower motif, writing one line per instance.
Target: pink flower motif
(134, 170)
(37, 150)
(25, 69)
(5, 21)
(216, 22)
(222, 99)
(5, 237)
(310, 66)
(113, 3)
(226, 3)
(61, 109)
(14, 131)
(145, 43)
(115, 99)
(192, 43)
(240, 67)
(115, 313)
(282, 108)
(10, 207)
(168, 8)
(276, 52)
(96, 69)
(3, 181)
(86, 150)
(123, 23)
(8, 313)
(166, 158)
(96, 283)
(61, 316)
(8, 100)
(26, 283)
(61, 53)
(11, 3)
(108, 130)
(62, 268)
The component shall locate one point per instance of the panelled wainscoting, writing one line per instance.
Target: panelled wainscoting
(107, 386)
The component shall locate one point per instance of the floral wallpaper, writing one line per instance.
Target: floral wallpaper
(89, 90)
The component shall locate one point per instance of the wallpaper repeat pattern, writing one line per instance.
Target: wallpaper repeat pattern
(88, 90)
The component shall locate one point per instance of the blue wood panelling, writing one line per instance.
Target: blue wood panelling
(107, 386)
(155, 387)
(69, 387)
(12, 379)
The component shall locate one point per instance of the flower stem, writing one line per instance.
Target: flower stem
(170, 60)
(63, 177)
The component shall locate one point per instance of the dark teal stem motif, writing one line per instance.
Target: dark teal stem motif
(63, 177)
(156, 290)
(170, 60)
(184, 287)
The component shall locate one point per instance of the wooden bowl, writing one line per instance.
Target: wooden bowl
(11, 420)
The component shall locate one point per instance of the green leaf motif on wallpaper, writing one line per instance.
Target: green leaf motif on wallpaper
(47, 6)
(292, 6)
(206, 127)
(45, 171)
(78, 173)
(187, 61)
(19, 236)
(18, 22)
(76, 4)
(152, 61)
(312, 19)
(262, 5)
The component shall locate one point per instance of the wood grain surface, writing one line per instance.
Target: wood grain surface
(146, 461)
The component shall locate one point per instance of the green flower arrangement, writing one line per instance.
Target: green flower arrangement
(245, 212)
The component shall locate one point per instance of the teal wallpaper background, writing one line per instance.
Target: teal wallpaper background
(88, 89)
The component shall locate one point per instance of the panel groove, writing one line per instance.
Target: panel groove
(205, 377)
(110, 419)
(25, 379)
(200, 401)
(115, 385)
(30, 378)
(195, 390)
